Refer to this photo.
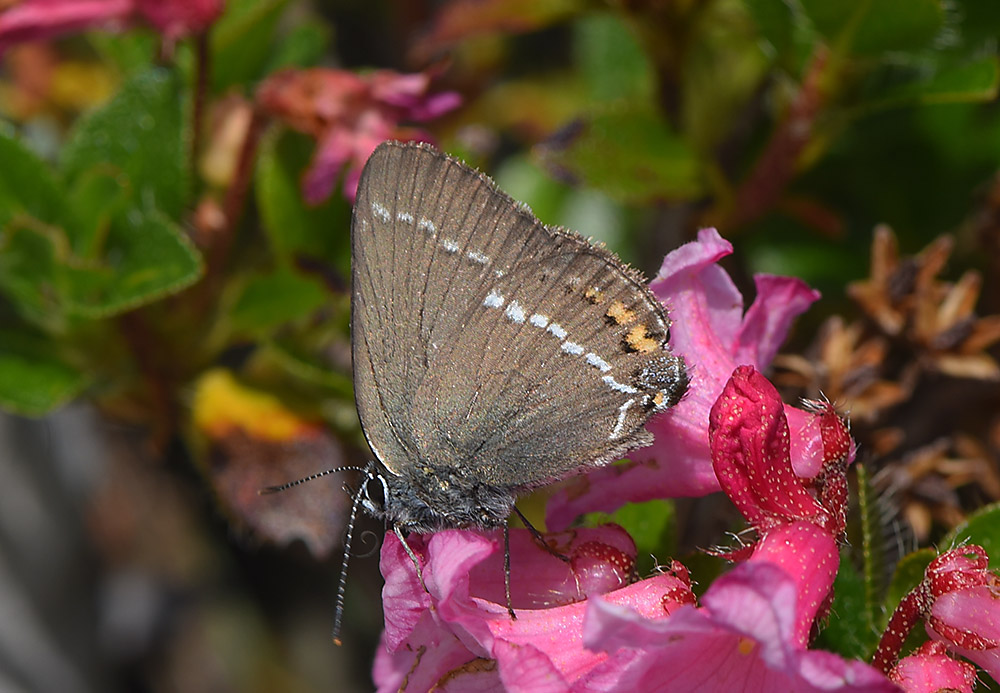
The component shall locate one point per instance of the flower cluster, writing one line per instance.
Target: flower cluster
(350, 115)
(586, 625)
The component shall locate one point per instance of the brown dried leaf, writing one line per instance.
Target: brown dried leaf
(847, 368)
(254, 441)
(241, 466)
(935, 318)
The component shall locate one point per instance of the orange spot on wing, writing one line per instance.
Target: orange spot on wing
(619, 313)
(638, 339)
(594, 295)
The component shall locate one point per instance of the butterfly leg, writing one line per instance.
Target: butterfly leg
(539, 538)
(413, 556)
(506, 570)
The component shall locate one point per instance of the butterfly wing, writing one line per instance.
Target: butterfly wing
(485, 340)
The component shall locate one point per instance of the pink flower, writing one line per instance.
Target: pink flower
(459, 629)
(798, 521)
(350, 115)
(753, 628)
(34, 20)
(930, 669)
(959, 601)
(647, 635)
(713, 335)
(743, 637)
(751, 454)
(965, 614)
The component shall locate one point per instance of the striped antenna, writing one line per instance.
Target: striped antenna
(312, 477)
(338, 617)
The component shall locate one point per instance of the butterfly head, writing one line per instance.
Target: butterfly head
(428, 498)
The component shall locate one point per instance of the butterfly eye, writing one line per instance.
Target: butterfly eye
(373, 494)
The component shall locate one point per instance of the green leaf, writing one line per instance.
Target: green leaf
(849, 631)
(588, 212)
(610, 59)
(304, 363)
(908, 575)
(243, 40)
(33, 241)
(27, 187)
(129, 51)
(980, 22)
(526, 182)
(273, 299)
(304, 46)
(629, 153)
(983, 528)
(775, 22)
(139, 135)
(972, 81)
(147, 257)
(84, 252)
(32, 256)
(876, 26)
(96, 198)
(33, 379)
(292, 226)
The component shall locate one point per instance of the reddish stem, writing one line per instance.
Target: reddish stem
(202, 72)
(144, 345)
(217, 253)
(777, 165)
(909, 612)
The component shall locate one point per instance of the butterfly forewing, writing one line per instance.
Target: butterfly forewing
(484, 340)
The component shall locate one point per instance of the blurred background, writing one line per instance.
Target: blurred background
(176, 182)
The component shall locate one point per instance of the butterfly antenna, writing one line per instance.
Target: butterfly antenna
(338, 617)
(312, 477)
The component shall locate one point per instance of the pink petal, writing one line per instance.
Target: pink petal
(779, 301)
(349, 115)
(178, 18)
(711, 332)
(434, 106)
(559, 632)
(543, 647)
(463, 572)
(601, 560)
(433, 654)
(750, 452)
(446, 559)
(930, 669)
(988, 660)
(525, 668)
(808, 555)
(738, 641)
(334, 150)
(972, 609)
(806, 442)
(968, 622)
(34, 20)
(399, 89)
(402, 591)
